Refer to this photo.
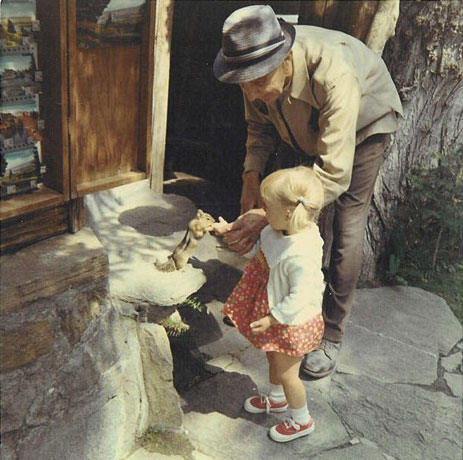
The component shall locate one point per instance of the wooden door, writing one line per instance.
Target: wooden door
(109, 94)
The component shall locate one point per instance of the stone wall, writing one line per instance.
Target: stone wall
(81, 378)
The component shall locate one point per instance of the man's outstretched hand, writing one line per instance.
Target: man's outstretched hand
(240, 236)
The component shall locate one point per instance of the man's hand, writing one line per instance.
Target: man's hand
(261, 325)
(250, 194)
(245, 231)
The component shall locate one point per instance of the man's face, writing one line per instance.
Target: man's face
(269, 87)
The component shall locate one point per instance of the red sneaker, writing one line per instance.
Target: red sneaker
(288, 430)
(262, 403)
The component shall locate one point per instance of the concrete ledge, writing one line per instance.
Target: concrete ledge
(137, 226)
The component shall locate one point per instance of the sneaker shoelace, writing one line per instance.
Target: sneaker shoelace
(265, 400)
(290, 423)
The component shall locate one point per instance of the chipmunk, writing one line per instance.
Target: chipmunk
(197, 228)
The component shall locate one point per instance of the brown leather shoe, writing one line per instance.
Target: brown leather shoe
(321, 362)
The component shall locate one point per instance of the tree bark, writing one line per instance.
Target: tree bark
(425, 59)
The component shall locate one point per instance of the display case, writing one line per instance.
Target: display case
(85, 112)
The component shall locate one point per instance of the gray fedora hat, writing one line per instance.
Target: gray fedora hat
(254, 42)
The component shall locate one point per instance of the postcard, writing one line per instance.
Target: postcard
(110, 23)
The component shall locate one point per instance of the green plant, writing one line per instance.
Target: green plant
(174, 327)
(426, 244)
(194, 303)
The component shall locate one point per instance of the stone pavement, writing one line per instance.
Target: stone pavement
(397, 392)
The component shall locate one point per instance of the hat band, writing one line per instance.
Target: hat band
(257, 53)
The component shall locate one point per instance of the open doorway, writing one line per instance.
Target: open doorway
(206, 132)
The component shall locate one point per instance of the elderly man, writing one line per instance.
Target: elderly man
(313, 96)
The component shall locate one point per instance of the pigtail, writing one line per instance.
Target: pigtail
(298, 188)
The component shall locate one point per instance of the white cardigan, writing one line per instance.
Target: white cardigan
(295, 287)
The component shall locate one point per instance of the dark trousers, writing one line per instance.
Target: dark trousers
(343, 233)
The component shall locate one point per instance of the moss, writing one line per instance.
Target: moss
(167, 443)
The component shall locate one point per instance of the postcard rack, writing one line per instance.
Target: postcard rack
(70, 127)
(21, 128)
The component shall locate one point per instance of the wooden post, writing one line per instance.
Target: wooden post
(162, 42)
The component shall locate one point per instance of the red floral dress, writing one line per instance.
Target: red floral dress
(249, 302)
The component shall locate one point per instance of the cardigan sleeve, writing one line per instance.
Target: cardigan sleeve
(305, 291)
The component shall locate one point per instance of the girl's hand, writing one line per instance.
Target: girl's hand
(261, 325)
(221, 227)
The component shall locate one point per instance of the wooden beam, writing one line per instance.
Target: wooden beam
(162, 43)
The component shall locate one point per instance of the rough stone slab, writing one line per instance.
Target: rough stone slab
(245, 439)
(384, 358)
(57, 264)
(164, 403)
(142, 283)
(143, 454)
(24, 344)
(404, 421)
(138, 226)
(405, 314)
(225, 393)
(455, 383)
(357, 452)
(214, 337)
(453, 362)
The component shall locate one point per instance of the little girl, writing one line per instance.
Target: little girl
(277, 303)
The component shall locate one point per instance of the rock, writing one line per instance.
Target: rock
(357, 452)
(143, 283)
(453, 363)
(394, 360)
(455, 383)
(137, 227)
(25, 344)
(143, 454)
(164, 403)
(404, 421)
(75, 319)
(404, 314)
(392, 324)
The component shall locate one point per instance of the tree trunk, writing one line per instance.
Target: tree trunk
(425, 59)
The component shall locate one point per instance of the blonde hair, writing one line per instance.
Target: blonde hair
(298, 189)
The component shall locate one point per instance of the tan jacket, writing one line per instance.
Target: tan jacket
(354, 97)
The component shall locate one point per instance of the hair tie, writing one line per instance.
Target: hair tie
(302, 200)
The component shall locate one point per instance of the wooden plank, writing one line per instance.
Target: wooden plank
(105, 116)
(146, 89)
(52, 52)
(109, 182)
(163, 35)
(355, 17)
(77, 215)
(312, 12)
(20, 231)
(68, 260)
(22, 204)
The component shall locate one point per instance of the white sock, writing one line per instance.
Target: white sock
(301, 415)
(277, 393)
